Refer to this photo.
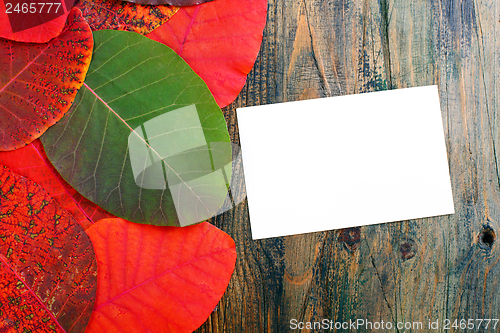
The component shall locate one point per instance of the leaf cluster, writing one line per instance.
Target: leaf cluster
(101, 126)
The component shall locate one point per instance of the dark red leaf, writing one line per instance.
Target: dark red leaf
(33, 22)
(123, 15)
(220, 40)
(158, 279)
(38, 82)
(48, 272)
(32, 163)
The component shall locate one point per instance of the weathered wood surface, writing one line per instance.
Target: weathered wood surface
(419, 270)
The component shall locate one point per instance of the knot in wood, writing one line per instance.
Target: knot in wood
(350, 237)
(408, 249)
(486, 238)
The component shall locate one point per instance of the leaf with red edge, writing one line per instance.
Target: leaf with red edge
(122, 15)
(37, 22)
(158, 279)
(38, 82)
(32, 163)
(220, 40)
(48, 272)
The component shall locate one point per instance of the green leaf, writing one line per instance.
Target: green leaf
(145, 138)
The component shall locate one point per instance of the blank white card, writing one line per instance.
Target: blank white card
(344, 161)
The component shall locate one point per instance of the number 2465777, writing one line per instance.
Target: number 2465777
(40, 7)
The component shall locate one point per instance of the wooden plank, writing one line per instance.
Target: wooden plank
(440, 42)
(411, 271)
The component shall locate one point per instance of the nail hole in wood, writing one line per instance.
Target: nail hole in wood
(486, 238)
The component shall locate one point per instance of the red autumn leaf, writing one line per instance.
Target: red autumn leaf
(220, 40)
(38, 82)
(32, 163)
(33, 22)
(158, 279)
(48, 272)
(122, 15)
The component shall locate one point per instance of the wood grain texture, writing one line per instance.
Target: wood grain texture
(418, 270)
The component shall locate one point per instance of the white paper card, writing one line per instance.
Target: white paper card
(344, 161)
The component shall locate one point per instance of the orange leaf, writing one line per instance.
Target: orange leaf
(158, 279)
(220, 40)
(38, 82)
(47, 264)
(122, 15)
